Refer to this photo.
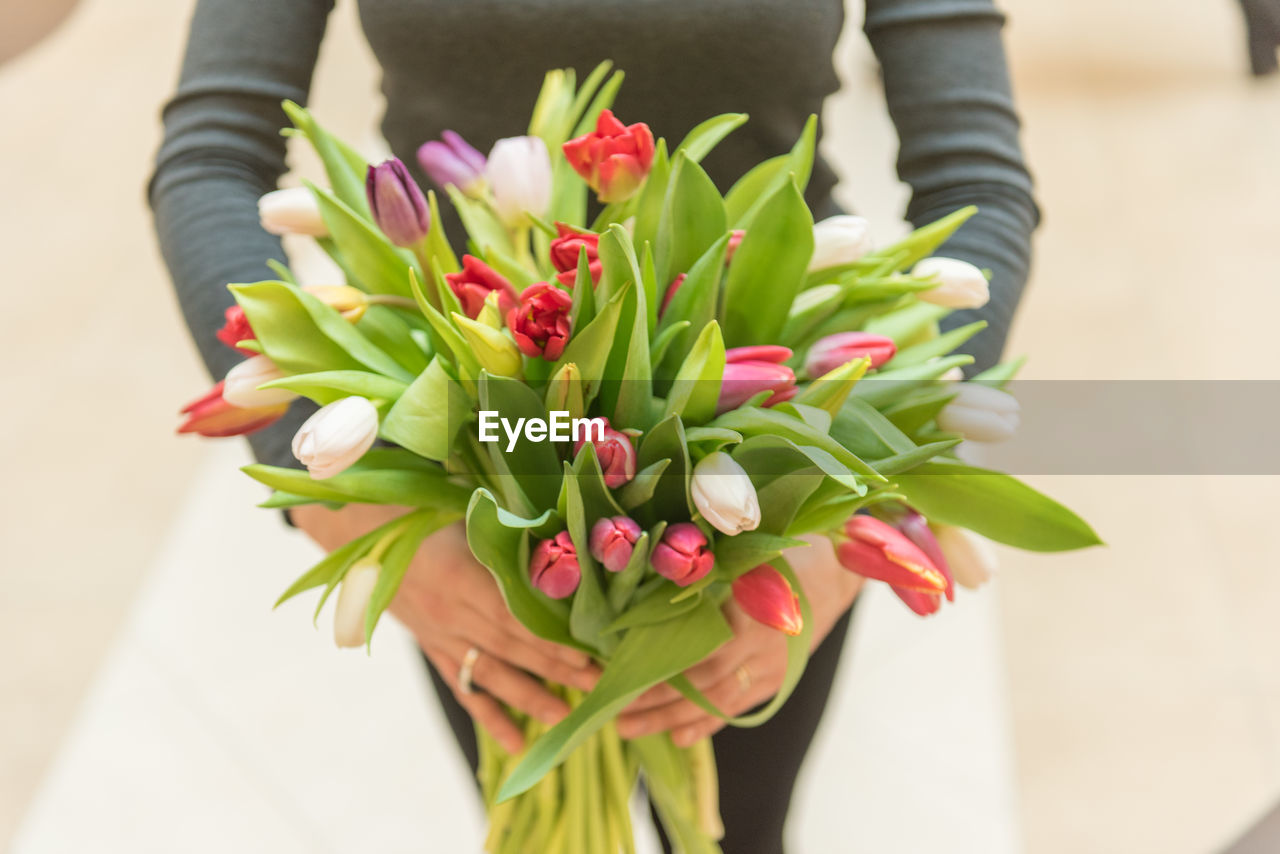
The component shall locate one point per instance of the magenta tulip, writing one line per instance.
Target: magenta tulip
(751, 370)
(682, 555)
(616, 454)
(613, 540)
(554, 569)
(835, 350)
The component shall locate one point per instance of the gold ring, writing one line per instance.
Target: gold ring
(464, 672)
(744, 677)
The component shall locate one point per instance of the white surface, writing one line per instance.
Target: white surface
(217, 725)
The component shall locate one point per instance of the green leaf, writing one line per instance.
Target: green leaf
(658, 349)
(750, 421)
(377, 265)
(589, 347)
(918, 354)
(411, 488)
(439, 251)
(634, 407)
(655, 608)
(830, 391)
(1000, 375)
(534, 465)
(649, 201)
(995, 505)
(641, 487)
(387, 330)
(706, 136)
(922, 242)
(395, 563)
(590, 611)
(694, 304)
(696, 387)
(646, 656)
(344, 168)
(501, 543)
(427, 417)
(768, 269)
(303, 335)
(744, 552)
(885, 387)
(861, 428)
(483, 226)
(623, 584)
(447, 334)
(693, 219)
(908, 460)
(745, 197)
(671, 494)
(327, 386)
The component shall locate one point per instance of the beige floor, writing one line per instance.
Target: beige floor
(1145, 695)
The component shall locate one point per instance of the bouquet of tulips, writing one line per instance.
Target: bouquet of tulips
(635, 405)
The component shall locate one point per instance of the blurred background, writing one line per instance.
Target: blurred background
(1124, 699)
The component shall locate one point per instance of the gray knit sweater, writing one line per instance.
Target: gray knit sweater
(476, 66)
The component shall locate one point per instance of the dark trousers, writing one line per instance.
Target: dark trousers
(758, 767)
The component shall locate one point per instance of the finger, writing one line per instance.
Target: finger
(680, 713)
(522, 653)
(518, 690)
(507, 623)
(482, 708)
(691, 734)
(659, 695)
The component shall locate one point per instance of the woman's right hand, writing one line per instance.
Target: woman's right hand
(451, 603)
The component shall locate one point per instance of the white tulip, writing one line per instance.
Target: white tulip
(951, 375)
(519, 175)
(981, 413)
(292, 211)
(960, 284)
(240, 388)
(353, 602)
(839, 240)
(724, 494)
(970, 557)
(336, 436)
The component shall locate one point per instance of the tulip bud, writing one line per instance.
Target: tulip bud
(452, 161)
(614, 159)
(724, 495)
(291, 211)
(565, 250)
(212, 416)
(337, 435)
(671, 292)
(875, 549)
(554, 568)
(735, 240)
(490, 315)
(952, 375)
(960, 284)
(613, 540)
(766, 596)
(475, 282)
(519, 175)
(835, 350)
(616, 454)
(969, 555)
(682, 554)
(240, 388)
(751, 370)
(350, 302)
(916, 528)
(397, 203)
(495, 352)
(981, 413)
(839, 240)
(540, 324)
(564, 391)
(354, 594)
(235, 329)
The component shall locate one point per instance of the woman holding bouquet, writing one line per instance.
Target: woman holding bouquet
(474, 67)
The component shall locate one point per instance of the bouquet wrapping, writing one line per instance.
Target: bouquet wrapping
(636, 393)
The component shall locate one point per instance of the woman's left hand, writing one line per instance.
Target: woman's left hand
(749, 669)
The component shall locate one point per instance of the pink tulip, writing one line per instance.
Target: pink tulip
(735, 240)
(751, 370)
(554, 569)
(917, 530)
(671, 292)
(613, 540)
(835, 350)
(923, 604)
(616, 454)
(877, 550)
(767, 598)
(682, 555)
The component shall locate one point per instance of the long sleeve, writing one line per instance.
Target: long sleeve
(947, 87)
(222, 149)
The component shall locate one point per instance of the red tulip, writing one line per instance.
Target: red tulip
(751, 370)
(917, 530)
(614, 159)
(682, 555)
(540, 324)
(565, 250)
(877, 550)
(923, 604)
(835, 350)
(613, 540)
(767, 598)
(553, 568)
(616, 454)
(236, 329)
(475, 282)
(212, 416)
(671, 292)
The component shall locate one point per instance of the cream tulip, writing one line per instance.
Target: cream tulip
(971, 557)
(519, 176)
(332, 439)
(839, 240)
(353, 602)
(291, 211)
(960, 284)
(981, 414)
(241, 385)
(724, 494)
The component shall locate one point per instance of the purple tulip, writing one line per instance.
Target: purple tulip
(397, 203)
(452, 160)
